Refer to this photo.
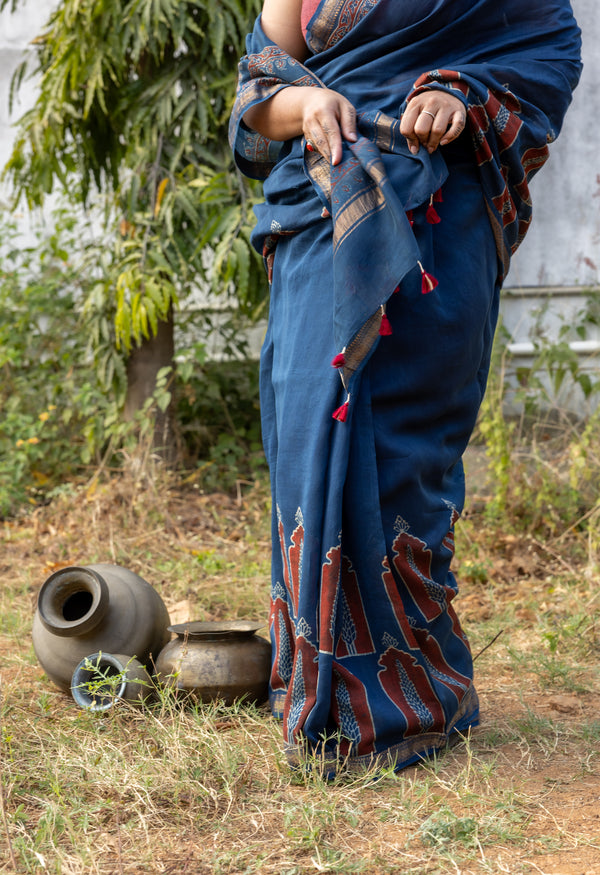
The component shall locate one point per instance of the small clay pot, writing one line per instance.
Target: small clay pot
(96, 608)
(103, 680)
(217, 661)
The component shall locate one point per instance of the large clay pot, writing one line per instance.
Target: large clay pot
(86, 609)
(105, 680)
(217, 660)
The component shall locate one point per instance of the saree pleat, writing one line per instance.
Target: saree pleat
(370, 663)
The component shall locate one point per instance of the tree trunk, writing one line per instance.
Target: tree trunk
(143, 366)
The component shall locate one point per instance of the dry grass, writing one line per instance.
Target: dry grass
(205, 789)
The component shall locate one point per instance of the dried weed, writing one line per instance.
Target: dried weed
(189, 788)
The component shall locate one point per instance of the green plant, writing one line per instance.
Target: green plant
(544, 461)
(101, 680)
(557, 371)
(496, 431)
(134, 100)
(218, 414)
(63, 380)
(50, 397)
(443, 828)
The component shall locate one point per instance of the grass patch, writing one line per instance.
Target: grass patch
(189, 788)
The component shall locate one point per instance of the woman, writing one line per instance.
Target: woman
(396, 141)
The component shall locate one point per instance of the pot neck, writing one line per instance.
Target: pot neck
(73, 601)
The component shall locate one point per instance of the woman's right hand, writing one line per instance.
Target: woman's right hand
(322, 115)
(327, 119)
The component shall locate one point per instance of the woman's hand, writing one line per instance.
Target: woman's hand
(431, 119)
(322, 115)
(327, 118)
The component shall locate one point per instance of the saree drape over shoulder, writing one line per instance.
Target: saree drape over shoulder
(385, 273)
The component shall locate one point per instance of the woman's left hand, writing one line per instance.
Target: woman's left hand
(432, 119)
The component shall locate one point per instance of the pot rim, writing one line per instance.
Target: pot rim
(85, 671)
(63, 585)
(216, 628)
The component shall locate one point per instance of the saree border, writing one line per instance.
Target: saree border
(411, 751)
(333, 19)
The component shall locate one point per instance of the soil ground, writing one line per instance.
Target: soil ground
(540, 731)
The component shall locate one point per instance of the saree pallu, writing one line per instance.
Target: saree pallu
(388, 267)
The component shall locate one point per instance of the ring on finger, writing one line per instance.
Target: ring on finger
(310, 146)
(426, 112)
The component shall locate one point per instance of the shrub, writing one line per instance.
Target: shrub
(49, 392)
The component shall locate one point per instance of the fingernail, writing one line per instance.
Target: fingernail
(414, 149)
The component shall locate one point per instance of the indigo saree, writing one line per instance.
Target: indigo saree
(385, 273)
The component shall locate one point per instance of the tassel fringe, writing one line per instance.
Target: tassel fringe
(341, 414)
(385, 329)
(428, 281)
(432, 216)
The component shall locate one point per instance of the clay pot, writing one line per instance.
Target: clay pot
(92, 608)
(103, 680)
(218, 660)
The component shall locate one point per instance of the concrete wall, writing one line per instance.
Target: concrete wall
(16, 31)
(562, 247)
(558, 265)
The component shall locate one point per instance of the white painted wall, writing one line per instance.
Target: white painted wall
(16, 31)
(562, 247)
(558, 265)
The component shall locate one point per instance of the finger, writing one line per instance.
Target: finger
(348, 122)
(437, 128)
(409, 117)
(334, 143)
(407, 126)
(317, 137)
(456, 128)
(429, 127)
(326, 137)
(413, 144)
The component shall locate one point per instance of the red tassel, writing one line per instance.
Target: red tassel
(342, 412)
(410, 217)
(437, 196)
(432, 216)
(339, 360)
(428, 281)
(385, 329)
